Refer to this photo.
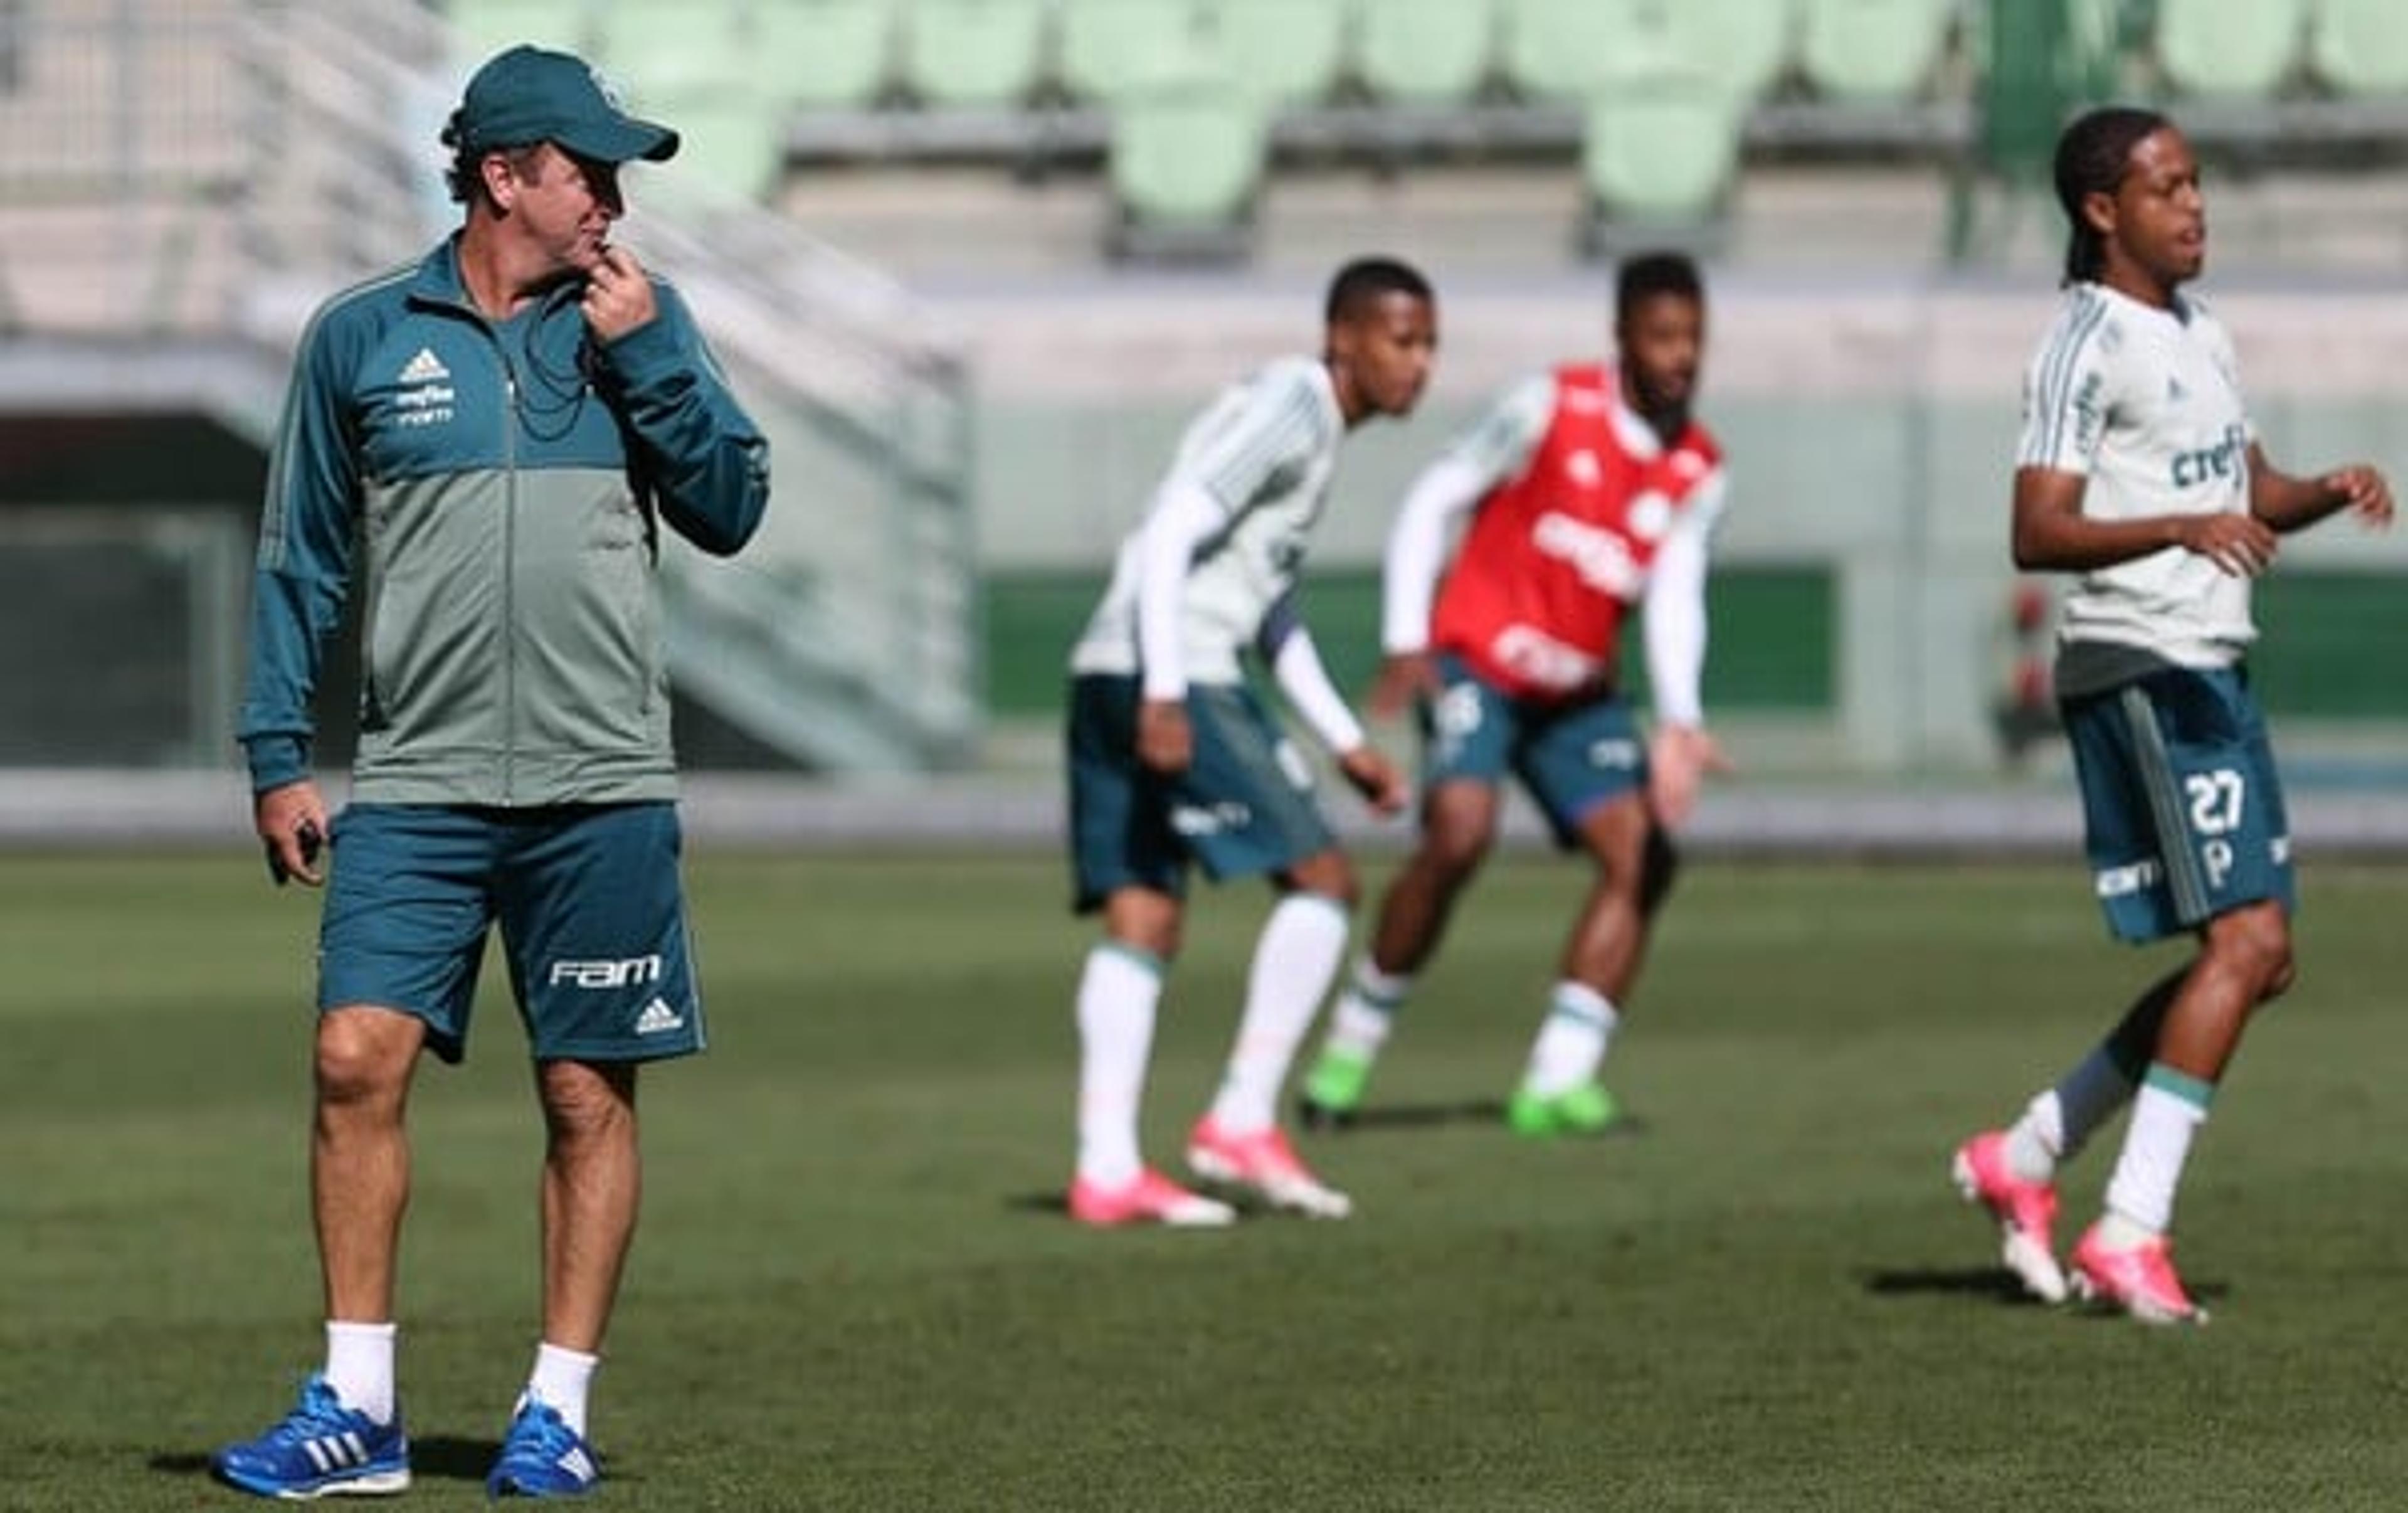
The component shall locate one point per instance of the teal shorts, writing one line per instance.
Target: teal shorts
(1243, 807)
(591, 910)
(2181, 803)
(1574, 758)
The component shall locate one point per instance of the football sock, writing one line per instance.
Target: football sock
(2168, 1110)
(560, 1381)
(2056, 1123)
(359, 1366)
(1117, 993)
(1572, 1042)
(1299, 951)
(1365, 1011)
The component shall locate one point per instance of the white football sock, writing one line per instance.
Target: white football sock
(1366, 1012)
(1117, 994)
(560, 1381)
(1572, 1042)
(359, 1366)
(1299, 951)
(2061, 1119)
(2169, 1110)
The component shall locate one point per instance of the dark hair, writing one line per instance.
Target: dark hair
(1645, 275)
(462, 178)
(1367, 279)
(2092, 158)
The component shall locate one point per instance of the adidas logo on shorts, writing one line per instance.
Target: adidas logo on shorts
(658, 1018)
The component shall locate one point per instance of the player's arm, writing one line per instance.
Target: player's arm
(1680, 752)
(2287, 503)
(300, 581)
(2071, 394)
(706, 461)
(1185, 517)
(1444, 494)
(2052, 534)
(1296, 662)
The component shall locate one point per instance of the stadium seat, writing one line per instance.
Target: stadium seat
(1278, 51)
(819, 54)
(1112, 49)
(1749, 43)
(484, 27)
(1410, 52)
(661, 53)
(1660, 156)
(1186, 163)
(1873, 49)
(1572, 48)
(2359, 47)
(2230, 49)
(974, 53)
(730, 140)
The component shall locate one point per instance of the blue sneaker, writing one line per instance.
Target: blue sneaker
(542, 1457)
(321, 1449)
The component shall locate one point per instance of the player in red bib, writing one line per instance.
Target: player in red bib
(1589, 490)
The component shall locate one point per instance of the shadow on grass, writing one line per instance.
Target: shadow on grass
(1995, 1283)
(1411, 1116)
(443, 1458)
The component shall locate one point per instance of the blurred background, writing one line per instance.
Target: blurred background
(973, 263)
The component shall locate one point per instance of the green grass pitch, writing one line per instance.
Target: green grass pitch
(854, 1288)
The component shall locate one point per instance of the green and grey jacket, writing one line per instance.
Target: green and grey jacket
(492, 488)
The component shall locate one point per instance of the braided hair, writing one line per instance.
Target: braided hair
(2092, 158)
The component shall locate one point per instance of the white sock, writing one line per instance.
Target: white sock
(1366, 1012)
(2061, 1119)
(560, 1381)
(1299, 951)
(359, 1366)
(1117, 993)
(2169, 1110)
(1572, 1042)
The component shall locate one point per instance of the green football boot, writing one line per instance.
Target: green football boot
(1333, 1090)
(1585, 1110)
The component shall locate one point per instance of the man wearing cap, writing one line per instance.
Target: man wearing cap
(480, 449)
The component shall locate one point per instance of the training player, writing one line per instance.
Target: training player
(2140, 473)
(1172, 760)
(1588, 490)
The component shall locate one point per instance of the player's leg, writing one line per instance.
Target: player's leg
(1468, 732)
(2244, 959)
(2012, 1172)
(399, 946)
(593, 916)
(1127, 864)
(2186, 832)
(1560, 1092)
(1587, 768)
(1458, 827)
(1248, 807)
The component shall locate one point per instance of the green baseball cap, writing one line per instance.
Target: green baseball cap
(528, 94)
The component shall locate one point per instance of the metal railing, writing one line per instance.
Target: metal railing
(180, 174)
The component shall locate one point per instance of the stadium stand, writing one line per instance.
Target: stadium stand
(1873, 50)
(974, 54)
(2360, 47)
(1282, 51)
(1659, 159)
(817, 54)
(1114, 48)
(1187, 159)
(1411, 55)
(2230, 49)
(484, 27)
